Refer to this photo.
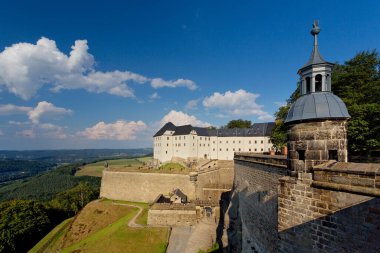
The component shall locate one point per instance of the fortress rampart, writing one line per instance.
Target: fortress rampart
(145, 187)
(335, 208)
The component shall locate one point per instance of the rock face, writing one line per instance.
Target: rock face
(314, 143)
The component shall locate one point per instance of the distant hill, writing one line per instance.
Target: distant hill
(11, 169)
(46, 186)
(74, 155)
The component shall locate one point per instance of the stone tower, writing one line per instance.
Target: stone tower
(317, 120)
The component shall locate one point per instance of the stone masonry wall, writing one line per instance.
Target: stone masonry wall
(335, 208)
(319, 220)
(253, 208)
(172, 217)
(315, 139)
(143, 187)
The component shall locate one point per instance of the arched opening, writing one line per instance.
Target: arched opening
(318, 82)
(328, 87)
(308, 85)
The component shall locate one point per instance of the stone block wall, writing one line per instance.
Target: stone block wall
(253, 209)
(168, 217)
(320, 220)
(143, 187)
(315, 139)
(334, 208)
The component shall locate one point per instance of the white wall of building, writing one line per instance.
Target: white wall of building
(168, 146)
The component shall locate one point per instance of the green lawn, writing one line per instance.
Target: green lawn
(96, 169)
(130, 165)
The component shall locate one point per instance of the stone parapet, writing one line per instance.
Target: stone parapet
(271, 160)
(361, 178)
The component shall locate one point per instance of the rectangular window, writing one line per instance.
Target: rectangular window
(262, 142)
(249, 150)
(333, 155)
(255, 142)
(301, 155)
(168, 138)
(249, 142)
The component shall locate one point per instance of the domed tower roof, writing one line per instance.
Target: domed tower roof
(317, 105)
(316, 101)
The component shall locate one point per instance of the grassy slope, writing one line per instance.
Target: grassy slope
(52, 241)
(104, 235)
(132, 165)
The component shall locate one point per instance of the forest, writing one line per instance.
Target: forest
(30, 208)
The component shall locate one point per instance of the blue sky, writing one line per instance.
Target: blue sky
(108, 74)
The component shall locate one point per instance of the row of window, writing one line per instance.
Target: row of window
(250, 150)
(249, 142)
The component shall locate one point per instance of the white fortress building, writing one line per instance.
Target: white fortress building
(197, 142)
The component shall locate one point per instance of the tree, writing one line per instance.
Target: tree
(238, 123)
(74, 199)
(357, 83)
(279, 137)
(22, 224)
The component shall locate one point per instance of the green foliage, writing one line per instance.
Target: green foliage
(74, 199)
(357, 83)
(238, 123)
(278, 136)
(22, 223)
(46, 186)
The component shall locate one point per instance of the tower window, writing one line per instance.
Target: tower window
(301, 155)
(333, 155)
(318, 82)
(308, 85)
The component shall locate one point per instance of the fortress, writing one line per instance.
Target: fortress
(313, 200)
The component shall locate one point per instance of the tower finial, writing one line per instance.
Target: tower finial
(315, 31)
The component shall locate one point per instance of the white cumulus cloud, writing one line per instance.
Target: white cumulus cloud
(9, 109)
(44, 108)
(159, 83)
(238, 103)
(26, 67)
(120, 130)
(180, 118)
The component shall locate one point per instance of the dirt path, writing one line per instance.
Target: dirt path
(132, 223)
